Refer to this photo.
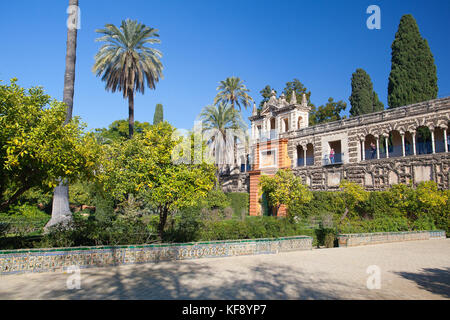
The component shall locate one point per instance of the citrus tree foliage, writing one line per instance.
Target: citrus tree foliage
(420, 202)
(284, 188)
(143, 166)
(36, 148)
(352, 194)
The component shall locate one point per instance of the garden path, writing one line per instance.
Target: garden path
(409, 270)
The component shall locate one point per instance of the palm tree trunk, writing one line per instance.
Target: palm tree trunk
(130, 113)
(60, 208)
(234, 146)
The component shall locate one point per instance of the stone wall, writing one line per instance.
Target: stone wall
(59, 259)
(238, 182)
(380, 174)
(404, 163)
(373, 175)
(361, 239)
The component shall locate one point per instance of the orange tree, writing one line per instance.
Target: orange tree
(284, 188)
(144, 166)
(36, 149)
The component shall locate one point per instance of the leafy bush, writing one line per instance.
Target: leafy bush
(252, 228)
(323, 203)
(186, 226)
(239, 202)
(84, 232)
(325, 237)
(217, 199)
(23, 219)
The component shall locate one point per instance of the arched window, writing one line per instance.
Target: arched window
(423, 140)
(370, 147)
(395, 144)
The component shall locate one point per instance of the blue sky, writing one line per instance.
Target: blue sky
(263, 42)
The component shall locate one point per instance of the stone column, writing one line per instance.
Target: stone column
(378, 148)
(432, 142)
(403, 144)
(363, 150)
(294, 120)
(294, 157)
(414, 142)
(304, 157)
(445, 140)
(278, 125)
(386, 140)
(264, 127)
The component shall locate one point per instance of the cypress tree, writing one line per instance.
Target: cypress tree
(413, 76)
(363, 99)
(159, 114)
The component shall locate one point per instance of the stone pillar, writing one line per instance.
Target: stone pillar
(255, 206)
(294, 120)
(294, 157)
(403, 144)
(304, 156)
(445, 140)
(433, 148)
(363, 150)
(378, 148)
(386, 140)
(277, 124)
(414, 142)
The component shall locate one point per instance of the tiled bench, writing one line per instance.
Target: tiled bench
(361, 239)
(59, 259)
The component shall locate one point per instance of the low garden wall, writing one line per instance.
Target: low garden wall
(361, 239)
(59, 259)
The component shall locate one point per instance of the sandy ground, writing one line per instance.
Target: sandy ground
(408, 270)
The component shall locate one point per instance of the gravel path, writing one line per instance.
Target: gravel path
(409, 270)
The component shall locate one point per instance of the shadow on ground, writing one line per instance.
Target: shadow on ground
(435, 280)
(196, 281)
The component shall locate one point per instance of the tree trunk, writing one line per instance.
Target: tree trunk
(60, 208)
(163, 212)
(130, 113)
(345, 214)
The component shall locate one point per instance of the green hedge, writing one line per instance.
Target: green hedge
(21, 220)
(239, 201)
(189, 228)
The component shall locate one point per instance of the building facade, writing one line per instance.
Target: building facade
(409, 144)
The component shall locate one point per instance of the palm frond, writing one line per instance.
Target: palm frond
(125, 62)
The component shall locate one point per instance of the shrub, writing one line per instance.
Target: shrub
(24, 219)
(323, 203)
(239, 202)
(217, 199)
(186, 227)
(83, 232)
(325, 237)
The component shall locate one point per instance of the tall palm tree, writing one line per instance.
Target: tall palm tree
(126, 63)
(60, 207)
(221, 123)
(232, 90)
